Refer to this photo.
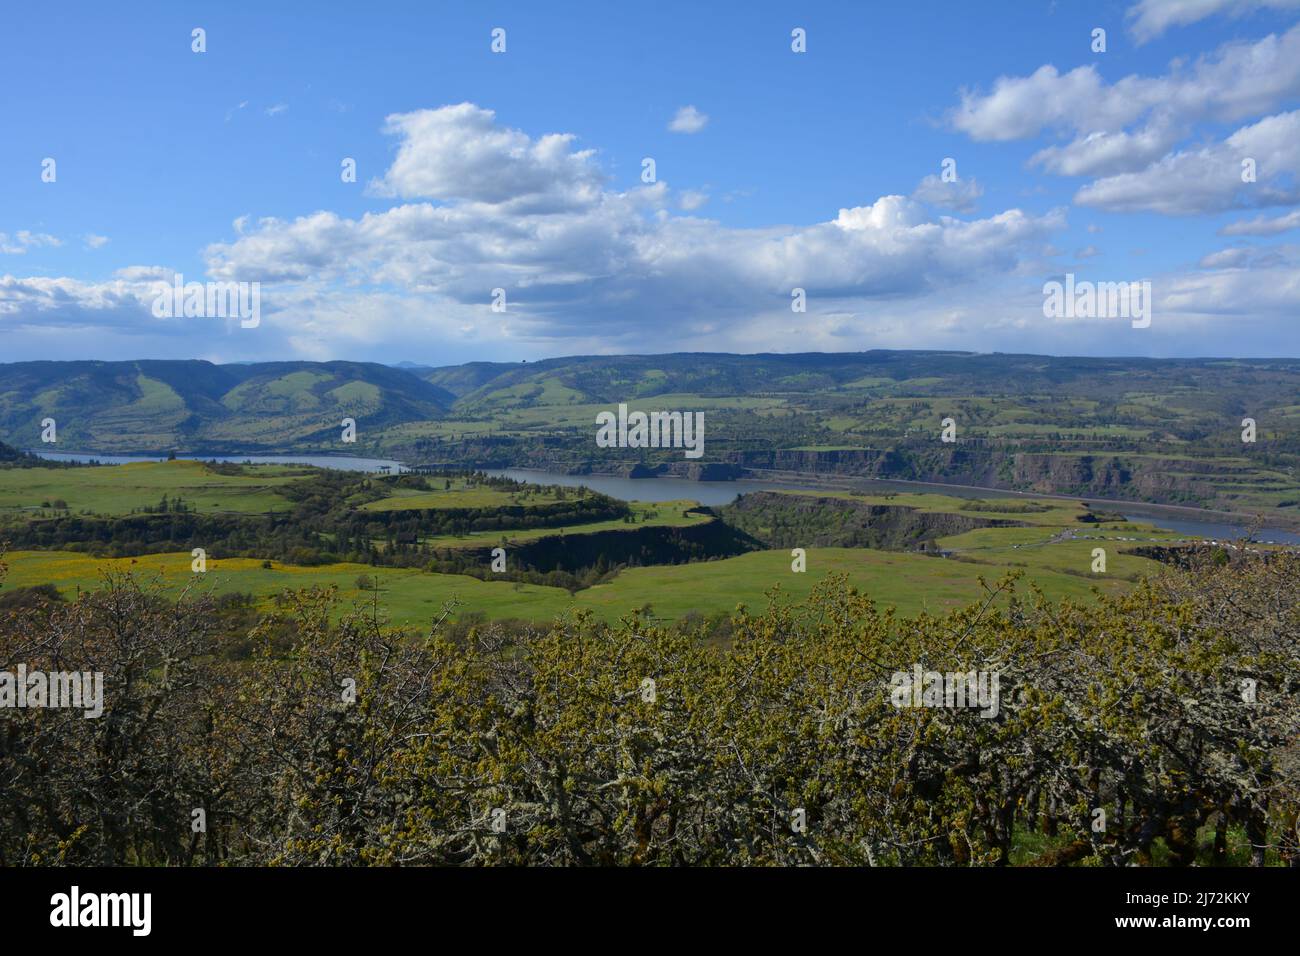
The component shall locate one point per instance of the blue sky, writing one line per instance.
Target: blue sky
(522, 170)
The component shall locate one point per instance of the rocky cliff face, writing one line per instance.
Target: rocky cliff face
(1155, 479)
(792, 521)
(1158, 479)
(1162, 479)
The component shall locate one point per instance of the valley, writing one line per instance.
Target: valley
(1141, 430)
(416, 541)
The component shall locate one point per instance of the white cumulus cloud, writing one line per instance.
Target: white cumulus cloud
(1210, 179)
(688, 120)
(1150, 18)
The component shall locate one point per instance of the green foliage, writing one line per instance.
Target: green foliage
(1133, 705)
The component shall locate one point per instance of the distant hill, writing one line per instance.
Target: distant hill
(460, 380)
(156, 406)
(614, 378)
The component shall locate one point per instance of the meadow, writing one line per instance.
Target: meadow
(668, 514)
(909, 582)
(122, 489)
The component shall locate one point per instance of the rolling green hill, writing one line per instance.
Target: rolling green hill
(909, 582)
(155, 406)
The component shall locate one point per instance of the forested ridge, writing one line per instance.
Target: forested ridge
(323, 523)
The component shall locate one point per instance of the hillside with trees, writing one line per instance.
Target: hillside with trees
(1158, 727)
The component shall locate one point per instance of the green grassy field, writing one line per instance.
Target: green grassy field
(1044, 549)
(462, 495)
(910, 582)
(120, 489)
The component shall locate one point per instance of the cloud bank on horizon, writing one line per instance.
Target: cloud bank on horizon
(597, 249)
